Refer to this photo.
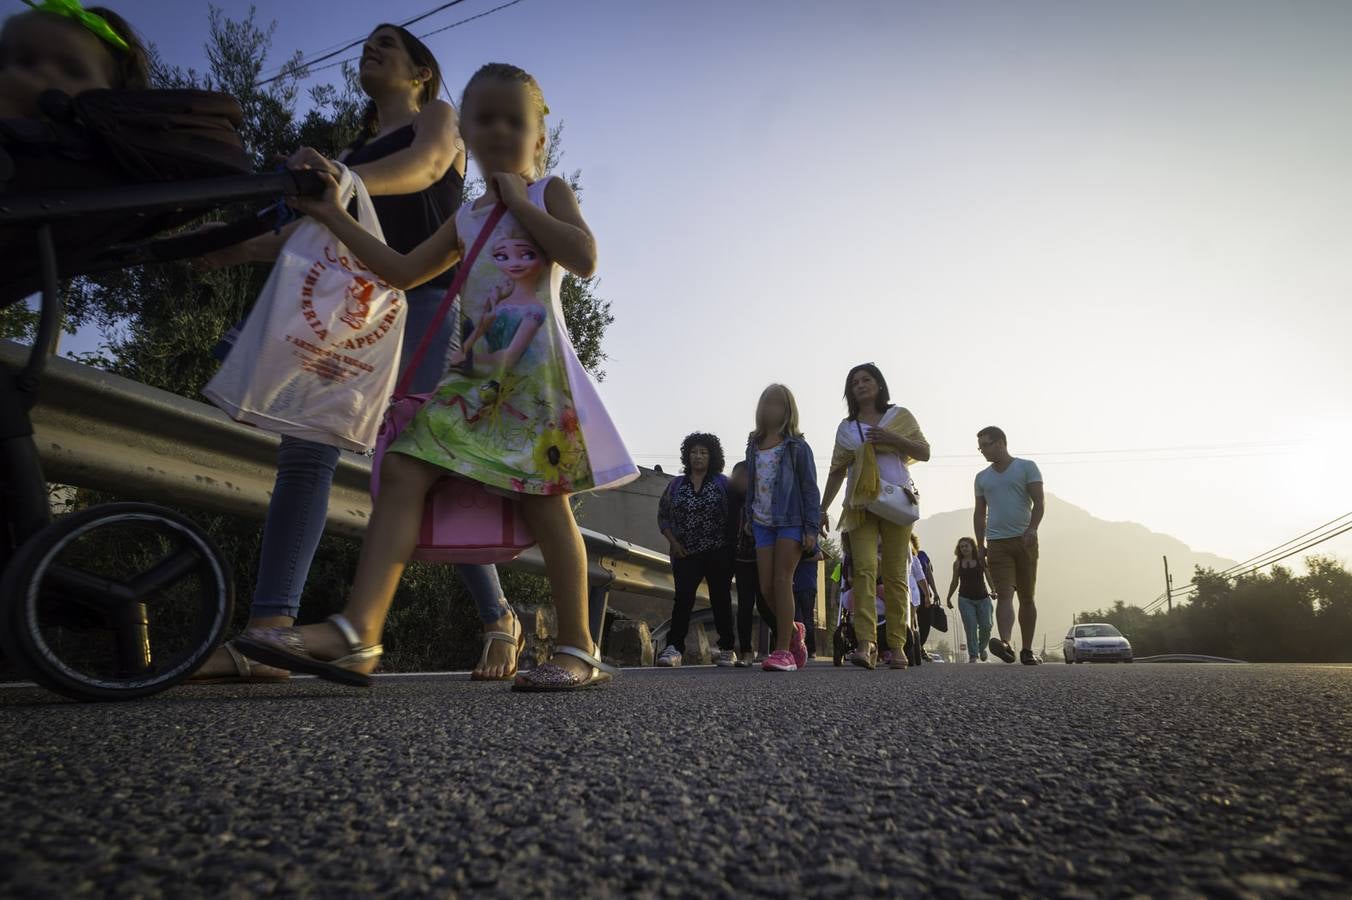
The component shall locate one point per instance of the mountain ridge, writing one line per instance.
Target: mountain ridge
(1084, 562)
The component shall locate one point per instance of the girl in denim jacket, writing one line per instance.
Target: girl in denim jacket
(784, 512)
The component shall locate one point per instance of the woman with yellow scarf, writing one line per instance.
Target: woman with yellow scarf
(876, 443)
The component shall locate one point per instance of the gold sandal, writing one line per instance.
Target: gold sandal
(518, 640)
(244, 671)
(285, 648)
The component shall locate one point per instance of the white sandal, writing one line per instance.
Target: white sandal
(550, 678)
(517, 640)
(285, 648)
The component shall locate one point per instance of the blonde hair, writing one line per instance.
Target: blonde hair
(514, 232)
(506, 72)
(788, 427)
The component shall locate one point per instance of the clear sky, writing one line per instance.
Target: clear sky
(1103, 226)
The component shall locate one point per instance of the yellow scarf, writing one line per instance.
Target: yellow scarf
(867, 483)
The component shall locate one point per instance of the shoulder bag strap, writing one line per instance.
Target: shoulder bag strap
(401, 390)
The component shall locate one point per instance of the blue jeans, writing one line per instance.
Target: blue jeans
(976, 621)
(300, 497)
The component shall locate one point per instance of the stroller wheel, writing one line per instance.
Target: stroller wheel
(115, 602)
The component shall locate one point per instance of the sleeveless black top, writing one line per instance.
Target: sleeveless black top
(410, 219)
(970, 583)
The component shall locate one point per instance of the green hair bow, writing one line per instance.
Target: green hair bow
(71, 9)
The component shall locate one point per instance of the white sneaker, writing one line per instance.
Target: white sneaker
(725, 658)
(670, 657)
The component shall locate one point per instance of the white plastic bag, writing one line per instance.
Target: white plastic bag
(319, 354)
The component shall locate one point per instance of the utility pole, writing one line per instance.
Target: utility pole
(1168, 585)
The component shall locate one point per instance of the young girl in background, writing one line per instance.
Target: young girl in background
(565, 443)
(750, 599)
(785, 512)
(58, 46)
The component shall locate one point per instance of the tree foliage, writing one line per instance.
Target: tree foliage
(1275, 616)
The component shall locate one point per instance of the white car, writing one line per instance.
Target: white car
(1096, 642)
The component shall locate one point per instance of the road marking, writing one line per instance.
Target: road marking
(13, 685)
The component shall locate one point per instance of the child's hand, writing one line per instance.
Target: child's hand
(322, 207)
(809, 541)
(325, 205)
(309, 158)
(510, 188)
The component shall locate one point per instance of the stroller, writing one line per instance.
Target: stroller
(843, 641)
(119, 600)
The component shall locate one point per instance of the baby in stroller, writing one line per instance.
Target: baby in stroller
(843, 642)
(59, 46)
(78, 116)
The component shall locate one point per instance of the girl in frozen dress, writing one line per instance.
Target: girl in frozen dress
(518, 413)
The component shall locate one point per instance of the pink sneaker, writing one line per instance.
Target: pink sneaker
(798, 646)
(779, 661)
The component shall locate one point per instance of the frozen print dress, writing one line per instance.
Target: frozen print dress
(516, 410)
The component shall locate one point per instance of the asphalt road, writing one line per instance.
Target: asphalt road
(1223, 781)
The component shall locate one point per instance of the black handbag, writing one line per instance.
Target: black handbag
(938, 618)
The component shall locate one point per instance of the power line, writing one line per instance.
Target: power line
(1242, 448)
(307, 69)
(333, 50)
(488, 12)
(1128, 459)
(1328, 524)
(1241, 570)
(1178, 449)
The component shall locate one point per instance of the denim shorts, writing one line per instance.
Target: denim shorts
(766, 535)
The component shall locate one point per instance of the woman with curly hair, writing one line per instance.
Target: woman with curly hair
(693, 515)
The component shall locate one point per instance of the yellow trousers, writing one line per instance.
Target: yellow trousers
(896, 560)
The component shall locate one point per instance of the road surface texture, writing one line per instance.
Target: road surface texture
(952, 781)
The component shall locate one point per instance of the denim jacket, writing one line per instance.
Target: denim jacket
(797, 501)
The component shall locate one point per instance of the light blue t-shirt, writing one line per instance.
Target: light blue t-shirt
(1008, 509)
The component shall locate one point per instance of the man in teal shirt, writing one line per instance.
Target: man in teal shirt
(1009, 507)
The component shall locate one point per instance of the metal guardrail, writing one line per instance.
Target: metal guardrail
(1187, 658)
(105, 432)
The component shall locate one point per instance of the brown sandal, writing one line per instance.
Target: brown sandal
(865, 658)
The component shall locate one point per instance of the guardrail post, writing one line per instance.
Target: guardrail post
(598, 598)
